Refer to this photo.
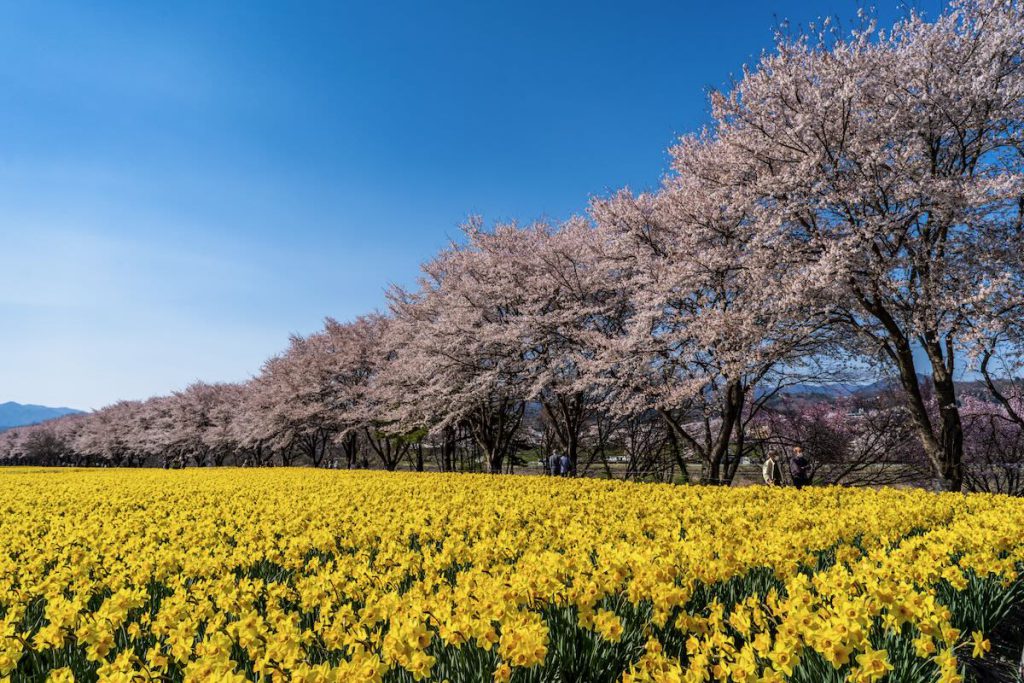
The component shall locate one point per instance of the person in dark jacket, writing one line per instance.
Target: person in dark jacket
(565, 466)
(800, 468)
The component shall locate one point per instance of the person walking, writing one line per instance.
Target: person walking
(553, 464)
(771, 472)
(800, 468)
(564, 465)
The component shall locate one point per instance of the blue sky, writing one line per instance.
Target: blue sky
(182, 185)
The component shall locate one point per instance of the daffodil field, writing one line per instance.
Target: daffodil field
(313, 575)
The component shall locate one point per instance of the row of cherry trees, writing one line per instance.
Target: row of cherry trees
(856, 202)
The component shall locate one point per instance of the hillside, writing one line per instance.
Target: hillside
(16, 414)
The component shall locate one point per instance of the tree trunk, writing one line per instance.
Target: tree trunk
(734, 399)
(945, 450)
(716, 448)
(676, 448)
(493, 428)
(448, 446)
(567, 415)
(350, 446)
(951, 432)
(389, 449)
(495, 462)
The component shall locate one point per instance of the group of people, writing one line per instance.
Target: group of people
(799, 470)
(559, 465)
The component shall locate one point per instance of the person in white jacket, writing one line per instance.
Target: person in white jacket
(771, 472)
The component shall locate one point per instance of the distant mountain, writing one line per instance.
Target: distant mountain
(838, 389)
(15, 414)
(829, 392)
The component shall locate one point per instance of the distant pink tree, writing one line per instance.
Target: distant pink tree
(110, 435)
(223, 408)
(453, 365)
(511, 316)
(993, 445)
(287, 413)
(9, 446)
(322, 395)
(258, 440)
(47, 443)
(863, 441)
(573, 311)
(361, 359)
(1005, 348)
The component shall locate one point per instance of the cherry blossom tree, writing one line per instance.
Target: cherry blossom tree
(317, 397)
(361, 358)
(153, 432)
(187, 420)
(647, 442)
(221, 410)
(249, 427)
(570, 310)
(295, 385)
(8, 445)
(886, 169)
(451, 368)
(713, 327)
(48, 443)
(110, 435)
